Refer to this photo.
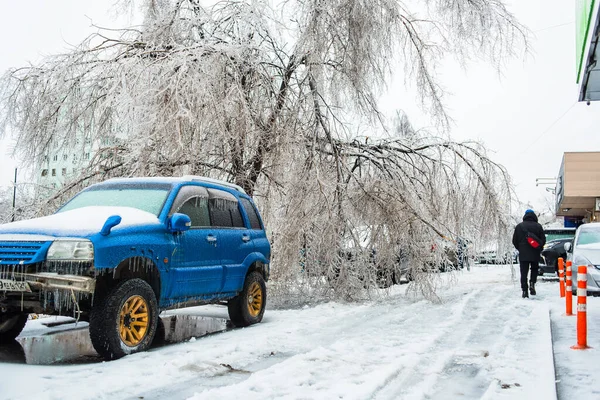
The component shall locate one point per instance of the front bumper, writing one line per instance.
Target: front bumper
(545, 268)
(50, 281)
(593, 282)
(46, 292)
(47, 281)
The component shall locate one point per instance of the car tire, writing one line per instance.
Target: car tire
(125, 320)
(11, 326)
(248, 307)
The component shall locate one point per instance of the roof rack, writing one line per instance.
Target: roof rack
(197, 178)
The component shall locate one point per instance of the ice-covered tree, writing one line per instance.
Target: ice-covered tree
(280, 97)
(5, 205)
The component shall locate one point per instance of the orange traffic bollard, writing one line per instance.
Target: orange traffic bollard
(581, 309)
(561, 276)
(568, 290)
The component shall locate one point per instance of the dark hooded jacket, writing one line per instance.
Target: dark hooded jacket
(526, 251)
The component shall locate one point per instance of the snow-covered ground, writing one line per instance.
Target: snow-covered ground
(482, 341)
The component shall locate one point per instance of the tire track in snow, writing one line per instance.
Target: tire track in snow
(473, 360)
(394, 382)
(365, 376)
(211, 374)
(455, 350)
(341, 333)
(415, 350)
(525, 340)
(432, 375)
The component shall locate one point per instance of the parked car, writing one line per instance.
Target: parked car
(362, 245)
(585, 250)
(559, 233)
(550, 254)
(123, 250)
(455, 255)
(491, 256)
(382, 274)
(486, 257)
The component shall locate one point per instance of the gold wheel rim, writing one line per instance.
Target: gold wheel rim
(133, 320)
(255, 299)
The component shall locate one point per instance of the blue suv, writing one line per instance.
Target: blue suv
(123, 250)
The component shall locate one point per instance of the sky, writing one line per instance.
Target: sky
(480, 341)
(527, 116)
(38, 28)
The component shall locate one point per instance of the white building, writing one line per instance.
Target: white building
(62, 163)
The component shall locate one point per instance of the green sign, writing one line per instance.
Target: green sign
(583, 21)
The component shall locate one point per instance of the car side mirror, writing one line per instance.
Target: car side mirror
(568, 247)
(179, 223)
(110, 223)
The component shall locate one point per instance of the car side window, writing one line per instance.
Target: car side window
(197, 209)
(224, 209)
(252, 214)
(193, 201)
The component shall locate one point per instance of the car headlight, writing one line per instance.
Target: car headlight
(71, 250)
(581, 260)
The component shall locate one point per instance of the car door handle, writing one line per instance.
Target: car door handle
(246, 238)
(211, 239)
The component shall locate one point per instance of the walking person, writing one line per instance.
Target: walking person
(529, 240)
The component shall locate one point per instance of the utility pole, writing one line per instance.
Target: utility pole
(14, 196)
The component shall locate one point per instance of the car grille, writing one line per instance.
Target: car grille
(17, 252)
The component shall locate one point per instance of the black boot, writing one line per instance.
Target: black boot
(532, 288)
(525, 294)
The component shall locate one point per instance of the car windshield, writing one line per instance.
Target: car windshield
(589, 237)
(150, 198)
(555, 234)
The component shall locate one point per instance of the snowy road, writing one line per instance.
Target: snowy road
(481, 342)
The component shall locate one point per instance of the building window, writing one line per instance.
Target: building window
(55, 158)
(64, 171)
(44, 172)
(46, 158)
(87, 156)
(65, 156)
(53, 171)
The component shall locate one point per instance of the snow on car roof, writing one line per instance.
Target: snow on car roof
(172, 180)
(590, 226)
(169, 180)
